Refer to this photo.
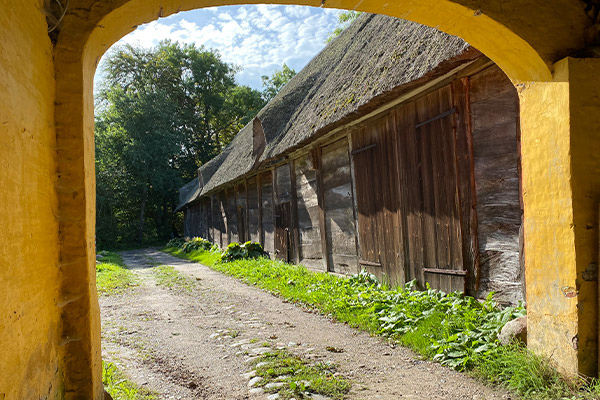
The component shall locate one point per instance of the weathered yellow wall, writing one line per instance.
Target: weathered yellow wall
(584, 85)
(30, 366)
(560, 122)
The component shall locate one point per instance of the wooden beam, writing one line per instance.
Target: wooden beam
(261, 231)
(295, 242)
(440, 271)
(353, 194)
(473, 220)
(320, 201)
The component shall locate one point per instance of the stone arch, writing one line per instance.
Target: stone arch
(525, 38)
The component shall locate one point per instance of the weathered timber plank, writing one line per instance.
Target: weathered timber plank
(494, 105)
(465, 183)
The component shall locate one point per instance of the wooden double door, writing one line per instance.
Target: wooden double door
(408, 185)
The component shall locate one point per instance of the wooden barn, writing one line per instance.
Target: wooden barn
(395, 150)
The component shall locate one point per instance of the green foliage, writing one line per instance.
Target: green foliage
(120, 388)
(205, 257)
(112, 276)
(175, 242)
(160, 114)
(301, 378)
(273, 84)
(344, 21)
(248, 250)
(196, 243)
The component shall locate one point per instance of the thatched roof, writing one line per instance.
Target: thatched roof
(188, 193)
(370, 63)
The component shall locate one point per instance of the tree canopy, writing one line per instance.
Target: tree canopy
(344, 20)
(273, 84)
(161, 113)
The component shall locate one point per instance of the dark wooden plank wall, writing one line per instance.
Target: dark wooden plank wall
(242, 212)
(309, 247)
(231, 216)
(283, 215)
(253, 210)
(338, 207)
(495, 129)
(206, 223)
(375, 157)
(268, 215)
(441, 220)
(220, 231)
(408, 197)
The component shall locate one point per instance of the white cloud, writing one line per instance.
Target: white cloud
(259, 38)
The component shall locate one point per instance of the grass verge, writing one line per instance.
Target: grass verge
(167, 276)
(120, 388)
(456, 330)
(112, 276)
(294, 377)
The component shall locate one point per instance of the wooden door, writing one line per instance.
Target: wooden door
(375, 157)
(443, 264)
(283, 223)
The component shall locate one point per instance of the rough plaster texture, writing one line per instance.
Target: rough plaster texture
(48, 304)
(30, 360)
(561, 172)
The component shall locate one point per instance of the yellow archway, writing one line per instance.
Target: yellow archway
(529, 40)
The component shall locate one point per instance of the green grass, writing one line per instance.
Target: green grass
(206, 257)
(120, 388)
(456, 330)
(167, 276)
(112, 276)
(300, 378)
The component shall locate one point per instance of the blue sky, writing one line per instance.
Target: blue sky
(257, 38)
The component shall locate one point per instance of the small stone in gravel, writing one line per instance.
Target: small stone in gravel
(292, 344)
(214, 335)
(319, 397)
(256, 391)
(262, 364)
(249, 375)
(274, 385)
(250, 359)
(261, 350)
(252, 382)
(273, 396)
(240, 343)
(310, 349)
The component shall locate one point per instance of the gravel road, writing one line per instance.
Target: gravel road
(189, 344)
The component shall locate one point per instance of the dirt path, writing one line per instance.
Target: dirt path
(191, 345)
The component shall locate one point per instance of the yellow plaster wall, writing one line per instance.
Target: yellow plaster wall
(560, 123)
(584, 87)
(30, 366)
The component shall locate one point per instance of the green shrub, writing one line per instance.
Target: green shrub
(175, 242)
(196, 243)
(248, 250)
